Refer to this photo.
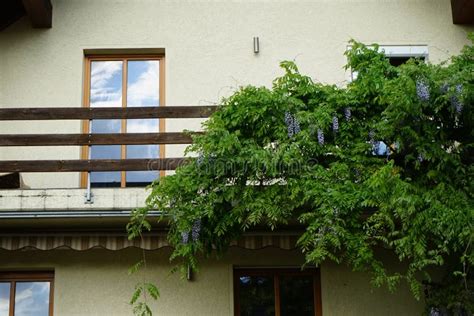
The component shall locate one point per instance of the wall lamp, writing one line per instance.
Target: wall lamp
(256, 45)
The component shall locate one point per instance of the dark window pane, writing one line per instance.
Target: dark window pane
(105, 126)
(257, 296)
(141, 178)
(397, 61)
(296, 296)
(32, 299)
(4, 298)
(105, 179)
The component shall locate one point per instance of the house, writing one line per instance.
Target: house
(94, 96)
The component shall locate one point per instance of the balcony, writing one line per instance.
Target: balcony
(82, 217)
(20, 199)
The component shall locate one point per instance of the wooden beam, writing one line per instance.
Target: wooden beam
(91, 165)
(10, 12)
(95, 139)
(40, 12)
(463, 11)
(70, 113)
(10, 181)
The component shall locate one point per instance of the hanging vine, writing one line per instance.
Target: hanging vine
(383, 163)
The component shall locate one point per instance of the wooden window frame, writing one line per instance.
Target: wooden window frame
(28, 276)
(88, 59)
(276, 273)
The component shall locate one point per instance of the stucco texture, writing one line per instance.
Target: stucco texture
(95, 282)
(208, 47)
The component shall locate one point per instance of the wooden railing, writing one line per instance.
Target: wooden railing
(14, 114)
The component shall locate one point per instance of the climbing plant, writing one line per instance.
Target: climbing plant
(383, 165)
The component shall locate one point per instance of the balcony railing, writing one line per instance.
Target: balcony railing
(30, 114)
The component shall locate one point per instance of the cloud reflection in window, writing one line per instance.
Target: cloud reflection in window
(32, 299)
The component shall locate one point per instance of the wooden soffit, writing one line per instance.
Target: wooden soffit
(39, 12)
(463, 11)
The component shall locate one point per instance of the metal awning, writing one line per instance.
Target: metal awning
(118, 242)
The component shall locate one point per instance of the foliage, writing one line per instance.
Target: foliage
(143, 290)
(383, 165)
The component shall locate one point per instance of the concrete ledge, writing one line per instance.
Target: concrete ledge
(72, 199)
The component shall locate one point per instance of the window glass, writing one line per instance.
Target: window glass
(32, 299)
(110, 178)
(4, 298)
(400, 60)
(266, 292)
(256, 296)
(139, 88)
(106, 91)
(296, 295)
(141, 178)
(105, 178)
(142, 90)
(143, 83)
(105, 126)
(106, 84)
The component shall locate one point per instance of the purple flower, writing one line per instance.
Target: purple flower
(335, 124)
(289, 121)
(455, 101)
(200, 159)
(296, 125)
(196, 230)
(422, 90)
(185, 237)
(347, 114)
(420, 157)
(292, 124)
(320, 136)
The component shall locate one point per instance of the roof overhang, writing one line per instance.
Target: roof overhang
(40, 12)
(463, 11)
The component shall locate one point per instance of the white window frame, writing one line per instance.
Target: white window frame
(410, 51)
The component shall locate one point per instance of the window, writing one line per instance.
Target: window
(277, 292)
(398, 55)
(136, 81)
(26, 293)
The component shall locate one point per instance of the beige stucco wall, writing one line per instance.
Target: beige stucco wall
(208, 47)
(95, 282)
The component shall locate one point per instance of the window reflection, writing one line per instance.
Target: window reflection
(256, 296)
(106, 126)
(296, 296)
(141, 178)
(108, 178)
(4, 298)
(260, 292)
(105, 179)
(106, 90)
(32, 299)
(142, 90)
(106, 84)
(143, 83)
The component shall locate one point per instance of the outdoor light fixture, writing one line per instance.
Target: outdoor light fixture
(256, 45)
(189, 273)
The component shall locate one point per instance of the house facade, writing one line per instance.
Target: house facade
(94, 96)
